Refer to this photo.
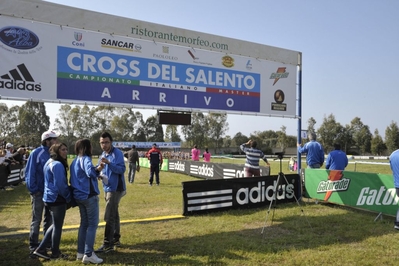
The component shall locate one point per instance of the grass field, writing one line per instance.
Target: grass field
(309, 234)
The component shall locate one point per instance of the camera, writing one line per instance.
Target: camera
(279, 154)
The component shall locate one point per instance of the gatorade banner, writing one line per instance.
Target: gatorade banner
(373, 192)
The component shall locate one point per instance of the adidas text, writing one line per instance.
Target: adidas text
(20, 85)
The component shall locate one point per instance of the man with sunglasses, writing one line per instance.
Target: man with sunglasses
(34, 178)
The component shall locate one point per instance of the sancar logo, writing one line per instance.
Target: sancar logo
(203, 170)
(260, 193)
(19, 79)
(177, 166)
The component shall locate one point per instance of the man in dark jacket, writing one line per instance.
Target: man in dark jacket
(134, 163)
(155, 157)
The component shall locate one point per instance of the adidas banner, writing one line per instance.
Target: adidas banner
(211, 170)
(220, 195)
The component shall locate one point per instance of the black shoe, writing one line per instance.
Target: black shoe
(31, 255)
(42, 254)
(157, 184)
(117, 243)
(150, 184)
(105, 249)
(59, 256)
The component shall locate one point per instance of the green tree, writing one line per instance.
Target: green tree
(392, 137)
(102, 117)
(123, 124)
(217, 126)
(85, 123)
(172, 134)
(8, 121)
(329, 132)
(239, 139)
(33, 121)
(154, 130)
(140, 129)
(311, 125)
(282, 138)
(361, 135)
(65, 125)
(377, 144)
(197, 132)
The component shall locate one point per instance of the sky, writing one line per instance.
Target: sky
(349, 49)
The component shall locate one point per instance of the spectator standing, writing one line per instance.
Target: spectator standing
(56, 196)
(114, 190)
(394, 163)
(10, 150)
(155, 157)
(314, 151)
(85, 191)
(253, 155)
(18, 156)
(34, 178)
(134, 163)
(195, 153)
(206, 156)
(336, 159)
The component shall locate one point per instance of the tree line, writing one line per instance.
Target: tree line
(23, 125)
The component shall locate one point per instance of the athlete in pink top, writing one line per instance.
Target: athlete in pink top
(206, 156)
(195, 153)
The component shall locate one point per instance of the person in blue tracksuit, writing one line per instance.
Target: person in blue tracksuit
(34, 179)
(394, 163)
(56, 197)
(84, 182)
(114, 189)
(337, 159)
(314, 151)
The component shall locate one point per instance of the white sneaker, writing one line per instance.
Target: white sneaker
(92, 259)
(79, 256)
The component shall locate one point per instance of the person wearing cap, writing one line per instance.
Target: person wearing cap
(154, 155)
(34, 178)
(10, 150)
(114, 168)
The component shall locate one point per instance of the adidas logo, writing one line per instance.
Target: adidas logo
(19, 78)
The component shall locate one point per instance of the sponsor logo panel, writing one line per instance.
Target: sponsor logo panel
(18, 38)
(19, 78)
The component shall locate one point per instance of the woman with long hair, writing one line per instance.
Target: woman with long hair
(85, 191)
(56, 196)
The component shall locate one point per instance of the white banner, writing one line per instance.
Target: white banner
(42, 61)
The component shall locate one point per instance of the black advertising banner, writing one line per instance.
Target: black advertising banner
(210, 170)
(223, 194)
(11, 175)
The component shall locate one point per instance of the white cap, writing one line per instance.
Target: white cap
(49, 134)
(9, 145)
